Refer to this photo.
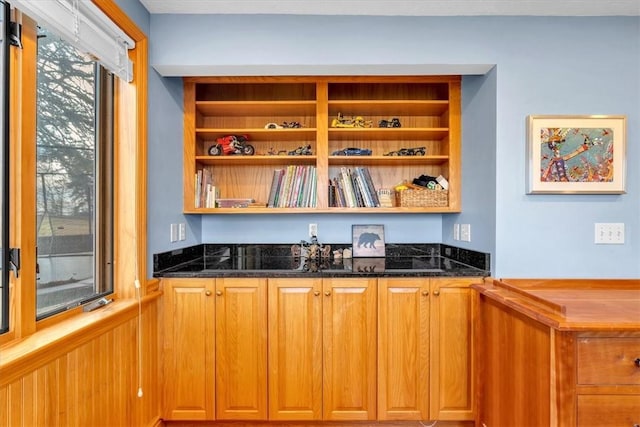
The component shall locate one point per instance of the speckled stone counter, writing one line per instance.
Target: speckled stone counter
(277, 260)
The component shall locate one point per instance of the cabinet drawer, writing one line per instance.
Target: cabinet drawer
(608, 361)
(608, 410)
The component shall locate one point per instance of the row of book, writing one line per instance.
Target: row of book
(206, 192)
(293, 187)
(353, 188)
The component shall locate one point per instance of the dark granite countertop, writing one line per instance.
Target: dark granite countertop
(277, 260)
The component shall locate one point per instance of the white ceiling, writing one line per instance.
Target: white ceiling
(400, 7)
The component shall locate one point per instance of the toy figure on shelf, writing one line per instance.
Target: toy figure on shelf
(353, 122)
(232, 144)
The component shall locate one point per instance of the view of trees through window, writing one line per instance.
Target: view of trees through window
(68, 142)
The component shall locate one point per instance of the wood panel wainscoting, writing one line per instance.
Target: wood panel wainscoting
(87, 373)
(558, 352)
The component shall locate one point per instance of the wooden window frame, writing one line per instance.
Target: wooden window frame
(130, 134)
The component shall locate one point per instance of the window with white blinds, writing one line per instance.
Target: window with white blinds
(85, 26)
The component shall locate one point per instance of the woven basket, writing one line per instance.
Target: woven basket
(422, 198)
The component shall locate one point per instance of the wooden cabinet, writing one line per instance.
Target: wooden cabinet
(241, 348)
(295, 349)
(335, 349)
(428, 108)
(452, 364)
(189, 345)
(350, 353)
(608, 379)
(559, 352)
(403, 349)
(425, 349)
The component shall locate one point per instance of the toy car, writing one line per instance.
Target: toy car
(351, 151)
(417, 151)
(232, 144)
(290, 125)
(304, 150)
(353, 122)
(392, 123)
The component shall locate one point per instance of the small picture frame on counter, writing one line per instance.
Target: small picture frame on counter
(368, 240)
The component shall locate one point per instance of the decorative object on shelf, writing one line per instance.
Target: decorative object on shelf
(426, 181)
(284, 125)
(304, 150)
(443, 182)
(313, 255)
(368, 240)
(234, 203)
(352, 151)
(416, 151)
(391, 123)
(582, 154)
(291, 125)
(386, 197)
(232, 144)
(273, 152)
(430, 195)
(352, 122)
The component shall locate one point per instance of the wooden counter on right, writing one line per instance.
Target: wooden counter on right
(558, 352)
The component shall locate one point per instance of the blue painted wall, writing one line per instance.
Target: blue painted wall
(551, 65)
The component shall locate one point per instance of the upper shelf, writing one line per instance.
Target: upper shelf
(396, 107)
(256, 108)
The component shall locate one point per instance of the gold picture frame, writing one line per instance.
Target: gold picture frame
(576, 154)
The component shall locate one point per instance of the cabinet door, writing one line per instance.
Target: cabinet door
(295, 349)
(452, 367)
(241, 349)
(349, 338)
(189, 349)
(403, 349)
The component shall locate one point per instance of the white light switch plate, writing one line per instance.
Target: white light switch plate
(609, 233)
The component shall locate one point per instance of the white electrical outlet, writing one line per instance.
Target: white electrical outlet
(182, 231)
(174, 233)
(456, 231)
(313, 230)
(465, 232)
(609, 233)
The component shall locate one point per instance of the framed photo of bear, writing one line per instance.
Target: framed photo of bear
(368, 240)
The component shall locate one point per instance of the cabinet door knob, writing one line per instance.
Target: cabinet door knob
(327, 293)
(316, 293)
(637, 363)
(207, 293)
(436, 292)
(219, 293)
(425, 293)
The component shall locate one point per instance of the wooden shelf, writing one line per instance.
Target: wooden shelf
(255, 160)
(256, 108)
(388, 160)
(428, 108)
(388, 134)
(261, 134)
(394, 108)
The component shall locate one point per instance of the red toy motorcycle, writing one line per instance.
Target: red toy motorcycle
(232, 144)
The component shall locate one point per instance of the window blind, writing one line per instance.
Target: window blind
(84, 25)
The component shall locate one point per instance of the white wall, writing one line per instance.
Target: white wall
(542, 66)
